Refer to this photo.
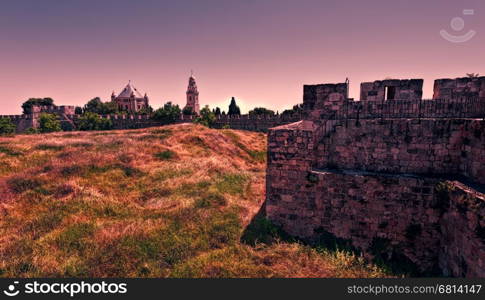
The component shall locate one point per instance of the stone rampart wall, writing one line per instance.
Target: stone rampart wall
(427, 146)
(352, 187)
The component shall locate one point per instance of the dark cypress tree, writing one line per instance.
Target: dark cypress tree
(233, 108)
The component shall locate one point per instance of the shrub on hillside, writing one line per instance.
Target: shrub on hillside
(10, 151)
(19, 184)
(233, 108)
(258, 111)
(27, 105)
(298, 108)
(206, 117)
(165, 155)
(93, 121)
(187, 111)
(76, 237)
(52, 147)
(168, 114)
(49, 123)
(217, 111)
(97, 106)
(6, 126)
(31, 130)
(145, 111)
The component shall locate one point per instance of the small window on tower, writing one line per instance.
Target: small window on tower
(390, 92)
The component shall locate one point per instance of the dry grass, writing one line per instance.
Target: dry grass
(158, 202)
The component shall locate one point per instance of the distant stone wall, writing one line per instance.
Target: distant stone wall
(70, 121)
(253, 122)
(53, 109)
(241, 122)
(22, 122)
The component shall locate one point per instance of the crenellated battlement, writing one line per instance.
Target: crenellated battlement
(372, 171)
(395, 98)
(54, 109)
(16, 117)
(381, 99)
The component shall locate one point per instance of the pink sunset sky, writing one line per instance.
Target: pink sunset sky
(259, 51)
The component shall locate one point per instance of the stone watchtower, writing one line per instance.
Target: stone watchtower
(193, 95)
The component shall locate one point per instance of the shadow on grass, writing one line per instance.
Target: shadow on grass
(391, 259)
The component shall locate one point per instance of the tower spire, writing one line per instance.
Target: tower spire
(192, 94)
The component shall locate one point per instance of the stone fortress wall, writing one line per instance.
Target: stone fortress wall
(402, 185)
(396, 176)
(25, 121)
(70, 120)
(254, 122)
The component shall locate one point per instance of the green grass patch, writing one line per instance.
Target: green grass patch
(69, 135)
(155, 193)
(19, 184)
(52, 147)
(262, 230)
(234, 184)
(63, 190)
(113, 210)
(193, 189)
(186, 234)
(165, 155)
(258, 156)
(10, 151)
(81, 145)
(161, 131)
(223, 228)
(115, 145)
(87, 171)
(157, 134)
(43, 222)
(130, 171)
(230, 262)
(147, 137)
(76, 237)
(210, 200)
(196, 141)
(37, 159)
(71, 170)
(169, 173)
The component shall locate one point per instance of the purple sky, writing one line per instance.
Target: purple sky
(261, 52)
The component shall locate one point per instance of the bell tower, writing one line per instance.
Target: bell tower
(193, 95)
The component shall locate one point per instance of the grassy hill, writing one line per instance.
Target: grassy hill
(173, 201)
